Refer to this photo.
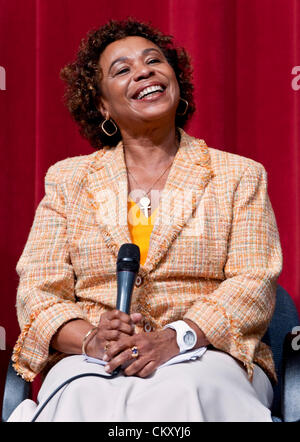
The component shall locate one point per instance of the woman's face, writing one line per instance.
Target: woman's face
(138, 85)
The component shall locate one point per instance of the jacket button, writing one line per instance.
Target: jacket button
(138, 281)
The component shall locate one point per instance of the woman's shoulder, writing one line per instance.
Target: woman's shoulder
(224, 162)
(72, 168)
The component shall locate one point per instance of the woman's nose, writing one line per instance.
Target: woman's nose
(143, 71)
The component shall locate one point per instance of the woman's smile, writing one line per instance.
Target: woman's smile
(150, 92)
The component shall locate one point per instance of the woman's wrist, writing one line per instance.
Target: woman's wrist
(69, 337)
(87, 339)
(169, 336)
(94, 348)
(202, 341)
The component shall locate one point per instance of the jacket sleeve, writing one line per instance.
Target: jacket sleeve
(45, 296)
(236, 315)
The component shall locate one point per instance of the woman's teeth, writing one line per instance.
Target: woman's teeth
(149, 90)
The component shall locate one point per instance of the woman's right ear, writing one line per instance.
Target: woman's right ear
(102, 109)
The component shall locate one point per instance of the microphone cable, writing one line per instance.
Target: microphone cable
(68, 381)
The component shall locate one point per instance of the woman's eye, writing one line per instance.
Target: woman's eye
(122, 71)
(154, 60)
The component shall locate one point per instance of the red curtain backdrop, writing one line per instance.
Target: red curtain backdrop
(243, 53)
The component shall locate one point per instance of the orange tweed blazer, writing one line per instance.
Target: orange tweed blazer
(214, 254)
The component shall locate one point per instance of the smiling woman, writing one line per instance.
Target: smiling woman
(209, 247)
(82, 76)
(139, 90)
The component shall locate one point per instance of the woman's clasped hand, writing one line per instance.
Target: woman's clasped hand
(139, 354)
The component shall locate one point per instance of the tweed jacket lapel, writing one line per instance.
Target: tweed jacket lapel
(188, 177)
(108, 190)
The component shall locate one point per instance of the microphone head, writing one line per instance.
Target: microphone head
(128, 258)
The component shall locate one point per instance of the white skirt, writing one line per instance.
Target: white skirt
(214, 388)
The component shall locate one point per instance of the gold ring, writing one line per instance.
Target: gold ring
(134, 352)
(106, 346)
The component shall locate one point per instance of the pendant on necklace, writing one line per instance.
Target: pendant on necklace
(145, 205)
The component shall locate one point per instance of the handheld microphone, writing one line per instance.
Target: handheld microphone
(128, 265)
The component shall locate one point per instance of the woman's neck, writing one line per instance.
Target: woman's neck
(150, 150)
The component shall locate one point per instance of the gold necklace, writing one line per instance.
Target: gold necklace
(145, 202)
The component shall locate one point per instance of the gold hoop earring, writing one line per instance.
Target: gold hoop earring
(186, 107)
(109, 134)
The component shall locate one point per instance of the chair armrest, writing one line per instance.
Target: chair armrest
(16, 390)
(291, 377)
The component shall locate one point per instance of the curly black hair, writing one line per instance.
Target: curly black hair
(82, 76)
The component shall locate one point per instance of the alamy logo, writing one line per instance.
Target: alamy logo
(296, 80)
(2, 338)
(175, 209)
(296, 339)
(2, 79)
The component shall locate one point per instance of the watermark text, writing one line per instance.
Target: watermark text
(175, 209)
(148, 433)
(296, 339)
(2, 79)
(296, 80)
(2, 338)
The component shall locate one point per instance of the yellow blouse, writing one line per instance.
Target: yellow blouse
(140, 228)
